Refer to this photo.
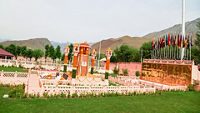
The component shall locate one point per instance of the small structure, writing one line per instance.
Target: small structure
(66, 58)
(108, 56)
(5, 54)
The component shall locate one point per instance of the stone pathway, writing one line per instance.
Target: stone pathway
(33, 86)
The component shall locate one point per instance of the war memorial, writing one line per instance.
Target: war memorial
(161, 75)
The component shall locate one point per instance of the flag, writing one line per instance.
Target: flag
(179, 40)
(173, 40)
(186, 41)
(163, 42)
(182, 41)
(169, 39)
(153, 44)
(190, 41)
(160, 42)
(166, 40)
(176, 40)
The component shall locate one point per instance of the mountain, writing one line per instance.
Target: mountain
(190, 28)
(136, 42)
(62, 45)
(125, 40)
(35, 43)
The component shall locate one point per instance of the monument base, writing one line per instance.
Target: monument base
(169, 72)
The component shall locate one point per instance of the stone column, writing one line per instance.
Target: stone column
(108, 56)
(93, 60)
(66, 58)
(75, 59)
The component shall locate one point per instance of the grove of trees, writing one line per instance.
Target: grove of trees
(125, 53)
(50, 51)
(196, 47)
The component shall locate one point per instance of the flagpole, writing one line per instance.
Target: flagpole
(183, 27)
(99, 55)
(190, 42)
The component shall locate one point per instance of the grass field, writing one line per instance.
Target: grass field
(13, 69)
(166, 102)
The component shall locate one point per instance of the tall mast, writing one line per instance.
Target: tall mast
(183, 27)
(99, 55)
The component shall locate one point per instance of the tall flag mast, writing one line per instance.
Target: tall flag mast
(183, 27)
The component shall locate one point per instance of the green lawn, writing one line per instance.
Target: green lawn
(166, 102)
(13, 69)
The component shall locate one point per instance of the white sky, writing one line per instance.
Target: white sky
(89, 20)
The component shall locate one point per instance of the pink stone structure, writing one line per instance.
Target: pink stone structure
(132, 67)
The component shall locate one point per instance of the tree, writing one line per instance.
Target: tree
(145, 50)
(37, 53)
(70, 52)
(196, 47)
(113, 58)
(29, 53)
(46, 51)
(18, 51)
(52, 53)
(101, 56)
(126, 54)
(12, 49)
(1, 46)
(58, 52)
(23, 51)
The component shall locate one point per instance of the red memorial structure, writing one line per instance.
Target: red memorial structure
(93, 60)
(166, 65)
(75, 59)
(108, 56)
(80, 59)
(83, 57)
(66, 58)
(169, 72)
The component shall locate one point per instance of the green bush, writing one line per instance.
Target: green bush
(17, 91)
(92, 70)
(125, 72)
(137, 73)
(116, 70)
(191, 87)
(106, 75)
(73, 73)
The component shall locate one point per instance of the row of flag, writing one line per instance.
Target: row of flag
(172, 40)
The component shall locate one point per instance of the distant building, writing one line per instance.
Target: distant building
(5, 54)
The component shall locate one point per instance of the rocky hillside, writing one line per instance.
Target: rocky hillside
(113, 43)
(138, 41)
(190, 28)
(35, 43)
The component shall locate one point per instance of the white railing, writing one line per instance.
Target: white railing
(132, 82)
(53, 89)
(159, 86)
(76, 82)
(13, 78)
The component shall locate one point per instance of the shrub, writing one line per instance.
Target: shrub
(45, 95)
(106, 75)
(73, 73)
(17, 92)
(137, 73)
(125, 72)
(92, 70)
(116, 70)
(191, 87)
(62, 95)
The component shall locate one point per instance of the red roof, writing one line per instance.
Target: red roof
(5, 53)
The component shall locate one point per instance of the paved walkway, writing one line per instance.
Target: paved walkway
(33, 84)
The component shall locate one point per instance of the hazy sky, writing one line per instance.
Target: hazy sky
(89, 20)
